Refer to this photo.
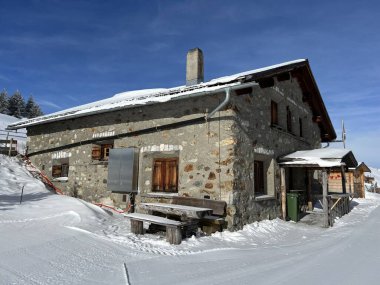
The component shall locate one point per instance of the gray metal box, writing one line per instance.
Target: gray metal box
(123, 168)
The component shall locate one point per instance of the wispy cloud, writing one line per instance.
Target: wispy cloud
(4, 78)
(49, 104)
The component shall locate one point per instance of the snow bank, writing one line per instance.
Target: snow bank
(53, 239)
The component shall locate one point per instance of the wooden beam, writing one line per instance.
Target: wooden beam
(309, 181)
(317, 119)
(173, 235)
(343, 174)
(243, 91)
(137, 227)
(283, 76)
(325, 201)
(283, 193)
(266, 82)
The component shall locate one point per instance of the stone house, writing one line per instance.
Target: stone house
(218, 139)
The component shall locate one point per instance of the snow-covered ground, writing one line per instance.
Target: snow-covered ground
(52, 239)
(19, 135)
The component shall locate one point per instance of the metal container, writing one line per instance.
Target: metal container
(123, 169)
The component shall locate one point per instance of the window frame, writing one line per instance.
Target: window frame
(100, 151)
(274, 113)
(259, 177)
(60, 168)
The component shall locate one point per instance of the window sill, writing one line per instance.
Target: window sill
(291, 134)
(60, 179)
(160, 194)
(99, 162)
(264, 197)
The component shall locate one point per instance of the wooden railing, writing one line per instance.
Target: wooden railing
(339, 205)
(8, 147)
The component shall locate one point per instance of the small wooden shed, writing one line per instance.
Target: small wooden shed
(326, 161)
(354, 180)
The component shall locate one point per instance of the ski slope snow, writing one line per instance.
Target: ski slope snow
(53, 239)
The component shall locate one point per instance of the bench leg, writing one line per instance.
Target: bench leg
(137, 227)
(173, 235)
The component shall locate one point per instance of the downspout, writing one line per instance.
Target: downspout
(218, 108)
(228, 96)
(221, 105)
(212, 113)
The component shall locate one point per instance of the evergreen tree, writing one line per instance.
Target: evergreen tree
(3, 102)
(32, 110)
(16, 105)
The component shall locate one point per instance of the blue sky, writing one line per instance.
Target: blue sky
(66, 53)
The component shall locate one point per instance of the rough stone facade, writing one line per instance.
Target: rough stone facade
(216, 157)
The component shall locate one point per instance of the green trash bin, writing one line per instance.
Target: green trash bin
(292, 202)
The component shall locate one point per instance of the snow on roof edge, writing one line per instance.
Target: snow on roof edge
(141, 97)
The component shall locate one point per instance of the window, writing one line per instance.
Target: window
(165, 175)
(301, 128)
(259, 177)
(60, 167)
(274, 113)
(101, 151)
(288, 119)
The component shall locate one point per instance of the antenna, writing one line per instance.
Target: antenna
(343, 135)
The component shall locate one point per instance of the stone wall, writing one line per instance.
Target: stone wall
(204, 148)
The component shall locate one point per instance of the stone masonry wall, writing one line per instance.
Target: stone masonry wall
(205, 149)
(257, 139)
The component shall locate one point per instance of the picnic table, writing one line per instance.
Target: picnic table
(188, 215)
(182, 211)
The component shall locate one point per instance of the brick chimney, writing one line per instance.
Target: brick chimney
(194, 67)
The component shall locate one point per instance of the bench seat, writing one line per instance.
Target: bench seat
(173, 228)
(154, 219)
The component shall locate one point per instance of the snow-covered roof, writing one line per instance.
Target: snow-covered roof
(363, 166)
(322, 157)
(150, 96)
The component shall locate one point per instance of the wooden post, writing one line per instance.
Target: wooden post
(343, 178)
(137, 227)
(173, 235)
(309, 198)
(22, 193)
(283, 193)
(362, 190)
(10, 147)
(325, 202)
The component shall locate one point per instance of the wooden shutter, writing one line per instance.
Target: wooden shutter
(173, 165)
(56, 171)
(274, 113)
(96, 152)
(288, 119)
(165, 175)
(259, 176)
(157, 176)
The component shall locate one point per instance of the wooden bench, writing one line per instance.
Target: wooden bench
(209, 223)
(173, 228)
